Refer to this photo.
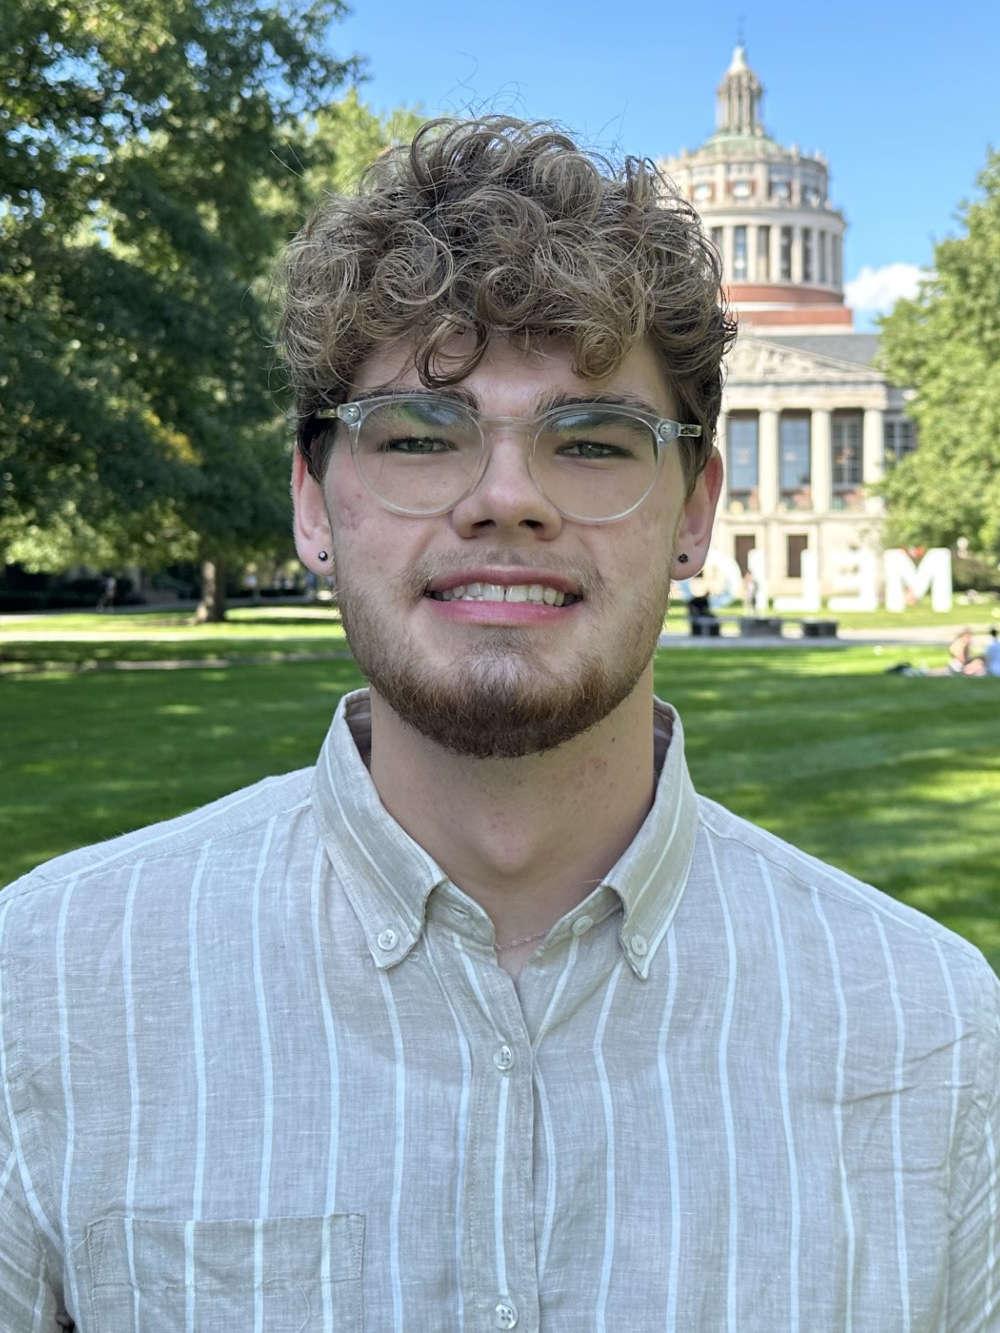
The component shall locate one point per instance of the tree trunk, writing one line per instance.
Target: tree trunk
(212, 606)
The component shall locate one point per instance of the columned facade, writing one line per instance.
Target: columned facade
(808, 423)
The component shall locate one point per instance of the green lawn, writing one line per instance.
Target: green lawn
(895, 779)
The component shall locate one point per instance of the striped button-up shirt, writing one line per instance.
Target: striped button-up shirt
(262, 1071)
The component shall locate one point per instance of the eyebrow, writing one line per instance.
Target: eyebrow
(546, 402)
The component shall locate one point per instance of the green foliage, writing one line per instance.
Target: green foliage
(354, 136)
(152, 159)
(946, 343)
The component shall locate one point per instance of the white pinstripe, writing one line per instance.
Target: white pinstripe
(201, 1094)
(727, 1104)
(267, 1080)
(609, 1165)
(670, 1135)
(395, 1274)
(992, 1303)
(902, 1257)
(133, 1086)
(795, 1220)
(838, 1111)
(67, 1084)
(330, 1034)
(956, 1068)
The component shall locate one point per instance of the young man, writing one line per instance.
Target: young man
(489, 1021)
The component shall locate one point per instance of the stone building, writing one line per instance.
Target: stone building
(808, 422)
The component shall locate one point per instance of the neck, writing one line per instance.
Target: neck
(528, 839)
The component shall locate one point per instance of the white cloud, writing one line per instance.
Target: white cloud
(877, 290)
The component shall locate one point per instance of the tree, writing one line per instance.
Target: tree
(946, 344)
(152, 158)
(352, 135)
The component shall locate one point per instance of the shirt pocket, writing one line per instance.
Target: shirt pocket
(271, 1275)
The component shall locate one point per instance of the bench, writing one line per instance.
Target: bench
(760, 627)
(819, 629)
(705, 627)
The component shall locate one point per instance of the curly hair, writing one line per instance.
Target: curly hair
(502, 227)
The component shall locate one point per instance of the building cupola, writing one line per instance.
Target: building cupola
(767, 209)
(738, 98)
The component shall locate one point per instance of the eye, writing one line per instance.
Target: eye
(415, 446)
(591, 451)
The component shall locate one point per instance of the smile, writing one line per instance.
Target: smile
(496, 592)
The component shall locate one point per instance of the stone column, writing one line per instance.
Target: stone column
(727, 252)
(776, 250)
(720, 444)
(796, 253)
(763, 270)
(767, 462)
(822, 480)
(871, 455)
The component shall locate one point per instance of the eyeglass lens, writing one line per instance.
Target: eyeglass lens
(421, 455)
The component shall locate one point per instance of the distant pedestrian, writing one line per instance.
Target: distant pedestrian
(107, 598)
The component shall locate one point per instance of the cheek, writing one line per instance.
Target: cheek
(347, 500)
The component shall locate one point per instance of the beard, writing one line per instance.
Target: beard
(498, 699)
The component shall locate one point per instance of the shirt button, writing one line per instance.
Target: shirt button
(582, 924)
(506, 1313)
(386, 939)
(504, 1059)
(639, 945)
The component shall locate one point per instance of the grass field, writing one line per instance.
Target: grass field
(895, 779)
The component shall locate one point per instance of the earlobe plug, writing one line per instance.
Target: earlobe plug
(682, 559)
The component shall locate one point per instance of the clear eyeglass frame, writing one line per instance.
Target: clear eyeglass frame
(664, 431)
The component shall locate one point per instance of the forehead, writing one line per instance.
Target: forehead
(512, 381)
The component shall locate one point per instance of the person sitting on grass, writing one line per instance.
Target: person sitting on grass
(991, 657)
(961, 659)
(489, 1021)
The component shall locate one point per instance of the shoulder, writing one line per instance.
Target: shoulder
(828, 914)
(30, 907)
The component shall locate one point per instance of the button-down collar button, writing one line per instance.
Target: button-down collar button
(503, 1058)
(386, 939)
(506, 1313)
(582, 924)
(638, 944)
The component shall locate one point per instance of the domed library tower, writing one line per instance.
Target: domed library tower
(808, 422)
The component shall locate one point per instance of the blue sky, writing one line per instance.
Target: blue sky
(903, 98)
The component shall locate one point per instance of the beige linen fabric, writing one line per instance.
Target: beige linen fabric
(262, 1071)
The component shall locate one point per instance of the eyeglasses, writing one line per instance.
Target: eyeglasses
(420, 454)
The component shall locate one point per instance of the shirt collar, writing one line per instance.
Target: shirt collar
(388, 877)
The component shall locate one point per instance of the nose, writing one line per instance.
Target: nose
(506, 498)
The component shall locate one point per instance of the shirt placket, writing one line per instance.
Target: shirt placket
(500, 1275)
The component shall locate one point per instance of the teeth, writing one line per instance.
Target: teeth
(496, 592)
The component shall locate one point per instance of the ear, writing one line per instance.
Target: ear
(694, 531)
(312, 523)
